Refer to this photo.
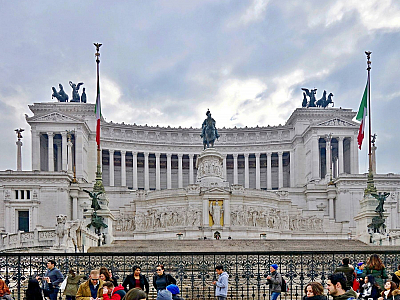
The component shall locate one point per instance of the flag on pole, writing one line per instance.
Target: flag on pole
(98, 116)
(361, 116)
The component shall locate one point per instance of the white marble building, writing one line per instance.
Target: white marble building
(274, 179)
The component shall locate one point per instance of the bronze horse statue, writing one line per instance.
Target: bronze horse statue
(209, 131)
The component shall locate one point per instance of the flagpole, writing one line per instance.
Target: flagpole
(370, 182)
(99, 181)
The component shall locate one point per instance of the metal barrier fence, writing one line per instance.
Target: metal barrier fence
(195, 272)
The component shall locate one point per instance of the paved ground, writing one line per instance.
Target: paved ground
(194, 246)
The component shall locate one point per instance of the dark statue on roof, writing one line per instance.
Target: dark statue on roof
(61, 96)
(323, 102)
(209, 132)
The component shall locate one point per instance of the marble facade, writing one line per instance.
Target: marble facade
(267, 180)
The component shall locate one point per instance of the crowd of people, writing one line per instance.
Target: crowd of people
(366, 280)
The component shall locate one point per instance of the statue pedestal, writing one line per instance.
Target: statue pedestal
(210, 172)
(367, 212)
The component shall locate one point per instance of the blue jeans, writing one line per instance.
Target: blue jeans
(54, 294)
(275, 295)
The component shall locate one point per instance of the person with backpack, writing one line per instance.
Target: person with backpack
(275, 282)
(348, 270)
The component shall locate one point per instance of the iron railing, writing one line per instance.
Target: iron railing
(196, 272)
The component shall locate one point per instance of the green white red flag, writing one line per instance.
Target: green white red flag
(361, 116)
(98, 116)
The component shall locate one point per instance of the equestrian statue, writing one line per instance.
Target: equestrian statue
(209, 131)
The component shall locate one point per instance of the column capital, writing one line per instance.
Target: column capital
(169, 154)
(246, 155)
(257, 155)
(134, 153)
(123, 152)
(63, 133)
(191, 156)
(340, 138)
(111, 151)
(280, 153)
(146, 154)
(269, 153)
(235, 155)
(180, 155)
(157, 155)
(50, 133)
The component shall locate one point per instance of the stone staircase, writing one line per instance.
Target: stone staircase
(215, 246)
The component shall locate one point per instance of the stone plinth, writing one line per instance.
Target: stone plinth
(210, 172)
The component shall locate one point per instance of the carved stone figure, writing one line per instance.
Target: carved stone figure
(75, 89)
(61, 231)
(216, 212)
(61, 95)
(209, 131)
(83, 96)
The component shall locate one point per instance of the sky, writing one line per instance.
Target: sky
(166, 62)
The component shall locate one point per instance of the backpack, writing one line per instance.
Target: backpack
(284, 286)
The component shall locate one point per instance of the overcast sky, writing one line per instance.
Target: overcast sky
(166, 62)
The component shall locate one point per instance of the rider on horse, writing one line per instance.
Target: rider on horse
(209, 123)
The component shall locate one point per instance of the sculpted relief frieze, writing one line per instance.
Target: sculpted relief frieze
(166, 217)
(271, 218)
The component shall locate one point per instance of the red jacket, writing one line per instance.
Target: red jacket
(117, 293)
(4, 288)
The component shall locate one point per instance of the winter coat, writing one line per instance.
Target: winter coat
(129, 283)
(84, 292)
(369, 291)
(349, 272)
(4, 288)
(33, 292)
(177, 297)
(317, 297)
(396, 277)
(221, 288)
(379, 275)
(350, 294)
(117, 293)
(56, 278)
(275, 283)
(72, 284)
(395, 295)
(161, 282)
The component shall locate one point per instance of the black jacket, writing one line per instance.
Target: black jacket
(168, 278)
(129, 283)
(317, 297)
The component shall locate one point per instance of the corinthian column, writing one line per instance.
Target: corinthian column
(169, 170)
(51, 151)
(246, 171)
(269, 171)
(134, 170)
(341, 156)
(111, 167)
(64, 150)
(191, 174)
(180, 171)
(158, 174)
(146, 171)
(235, 168)
(258, 184)
(280, 169)
(123, 168)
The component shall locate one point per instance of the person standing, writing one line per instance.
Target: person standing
(56, 278)
(162, 280)
(376, 268)
(136, 280)
(221, 285)
(91, 289)
(275, 282)
(72, 285)
(33, 292)
(396, 276)
(348, 270)
(336, 286)
(314, 291)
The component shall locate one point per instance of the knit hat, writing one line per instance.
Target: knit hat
(275, 266)
(360, 264)
(173, 288)
(164, 295)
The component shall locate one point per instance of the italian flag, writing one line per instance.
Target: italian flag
(98, 116)
(362, 113)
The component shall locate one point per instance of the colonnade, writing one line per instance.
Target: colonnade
(192, 170)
